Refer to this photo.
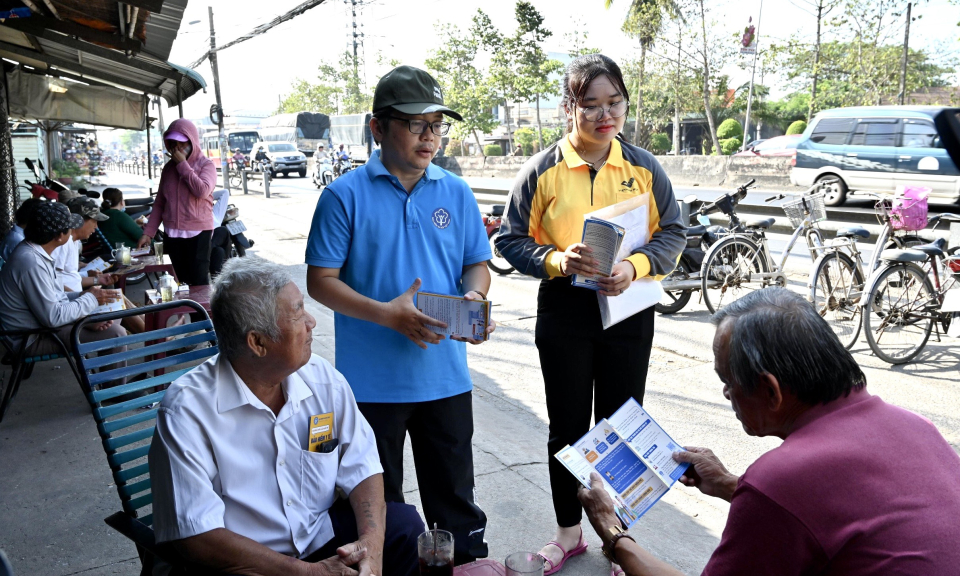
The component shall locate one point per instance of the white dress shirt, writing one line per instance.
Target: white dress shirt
(66, 260)
(220, 458)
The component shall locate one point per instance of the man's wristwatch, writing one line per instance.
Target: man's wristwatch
(609, 549)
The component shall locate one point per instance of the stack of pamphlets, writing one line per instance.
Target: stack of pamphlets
(634, 457)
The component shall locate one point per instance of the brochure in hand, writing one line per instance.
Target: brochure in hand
(97, 266)
(464, 318)
(634, 457)
(604, 238)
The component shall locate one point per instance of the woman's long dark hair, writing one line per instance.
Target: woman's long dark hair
(581, 72)
(112, 197)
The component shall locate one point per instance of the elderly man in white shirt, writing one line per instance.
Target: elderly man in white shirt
(252, 448)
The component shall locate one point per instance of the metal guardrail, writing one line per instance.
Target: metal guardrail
(136, 168)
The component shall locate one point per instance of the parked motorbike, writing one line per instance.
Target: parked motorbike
(680, 284)
(492, 221)
(236, 228)
(322, 171)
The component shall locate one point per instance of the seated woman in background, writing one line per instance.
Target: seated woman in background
(120, 227)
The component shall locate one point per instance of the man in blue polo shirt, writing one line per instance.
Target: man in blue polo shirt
(381, 233)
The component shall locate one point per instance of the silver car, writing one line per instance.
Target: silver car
(284, 156)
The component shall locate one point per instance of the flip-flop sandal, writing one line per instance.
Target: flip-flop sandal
(616, 570)
(553, 569)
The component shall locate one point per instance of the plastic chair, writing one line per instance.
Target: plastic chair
(22, 364)
(126, 414)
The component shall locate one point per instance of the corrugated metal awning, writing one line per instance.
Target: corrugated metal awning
(92, 53)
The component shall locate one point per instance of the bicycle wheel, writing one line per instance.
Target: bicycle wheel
(896, 321)
(729, 270)
(835, 292)
(674, 301)
(498, 263)
(235, 181)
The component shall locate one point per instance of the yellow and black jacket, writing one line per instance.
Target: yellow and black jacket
(555, 188)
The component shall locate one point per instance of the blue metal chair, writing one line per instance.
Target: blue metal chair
(6, 569)
(126, 414)
(21, 364)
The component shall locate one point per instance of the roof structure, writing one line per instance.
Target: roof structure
(102, 43)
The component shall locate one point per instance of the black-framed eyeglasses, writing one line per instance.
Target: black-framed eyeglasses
(419, 126)
(595, 113)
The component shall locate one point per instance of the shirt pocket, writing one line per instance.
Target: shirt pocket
(318, 478)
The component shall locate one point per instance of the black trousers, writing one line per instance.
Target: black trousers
(220, 246)
(190, 258)
(441, 433)
(584, 365)
(404, 525)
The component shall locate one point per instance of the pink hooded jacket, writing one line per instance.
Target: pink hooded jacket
(185, 196)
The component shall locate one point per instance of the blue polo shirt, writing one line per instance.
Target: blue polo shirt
(382, 239)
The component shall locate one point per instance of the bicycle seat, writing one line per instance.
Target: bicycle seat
(696, 230)
(910, 255)
(851, 231)
(497, 209)
(763, 224)
(934, 248)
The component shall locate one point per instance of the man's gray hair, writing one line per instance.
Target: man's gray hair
(244, 299)
(776, 331)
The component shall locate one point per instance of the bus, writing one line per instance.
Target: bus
(353, 131)
(302, 129)
(242, 138)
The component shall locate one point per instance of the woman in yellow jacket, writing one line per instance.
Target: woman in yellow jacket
(584, 365)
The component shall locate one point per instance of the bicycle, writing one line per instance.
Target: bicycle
(901, 306)
(838, 275)
(741, 261)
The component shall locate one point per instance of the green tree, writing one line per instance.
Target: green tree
(533, 69)
(464, 87)
(338, 90)
(519, 68)
(132, 141)
(577, 41)
(525, 138)
(644, 21)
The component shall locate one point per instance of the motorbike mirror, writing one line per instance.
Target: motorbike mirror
(690, 198)
(29, 163)
(40, 163)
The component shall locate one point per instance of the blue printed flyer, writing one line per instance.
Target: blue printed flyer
(633, 456)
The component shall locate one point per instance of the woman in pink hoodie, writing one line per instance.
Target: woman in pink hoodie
(184, 204)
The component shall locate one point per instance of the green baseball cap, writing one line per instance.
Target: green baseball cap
(411, 91)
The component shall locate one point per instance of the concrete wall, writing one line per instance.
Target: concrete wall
(707, 171)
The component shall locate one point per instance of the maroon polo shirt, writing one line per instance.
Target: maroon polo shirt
(859, 487)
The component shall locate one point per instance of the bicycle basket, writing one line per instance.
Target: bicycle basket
(797, 210)
(909, 211)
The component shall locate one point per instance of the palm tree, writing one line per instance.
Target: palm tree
(645, 21)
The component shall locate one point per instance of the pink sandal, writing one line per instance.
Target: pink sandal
(616, 570)
(553, 569)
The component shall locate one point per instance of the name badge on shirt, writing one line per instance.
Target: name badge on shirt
(321, 431)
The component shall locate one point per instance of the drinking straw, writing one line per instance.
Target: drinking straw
(435, 534)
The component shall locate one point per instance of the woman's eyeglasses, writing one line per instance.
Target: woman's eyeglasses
(595, 113)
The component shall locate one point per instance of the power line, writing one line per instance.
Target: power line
(263, 28)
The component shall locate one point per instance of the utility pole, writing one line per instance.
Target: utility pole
(903, 68)
(746, 121)
(222, 140)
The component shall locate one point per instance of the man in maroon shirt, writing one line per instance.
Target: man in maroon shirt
(857, 487)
